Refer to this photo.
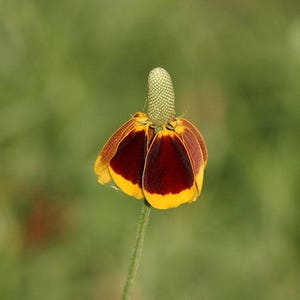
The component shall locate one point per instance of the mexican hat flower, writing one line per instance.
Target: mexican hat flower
(156, 155)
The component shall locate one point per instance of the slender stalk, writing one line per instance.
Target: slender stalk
(137, 250)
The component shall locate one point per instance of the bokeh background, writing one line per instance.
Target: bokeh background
(73, 71)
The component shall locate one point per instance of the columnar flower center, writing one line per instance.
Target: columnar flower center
(161, 97)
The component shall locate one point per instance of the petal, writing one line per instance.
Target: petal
(110, 148)
(194, 150)
(197, 134)
(126, 166)
(168, 178)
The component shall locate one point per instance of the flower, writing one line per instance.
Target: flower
(155, 156)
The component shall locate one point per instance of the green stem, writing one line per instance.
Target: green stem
(137, 250)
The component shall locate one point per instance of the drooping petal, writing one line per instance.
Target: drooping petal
(168, 178)
(197, 134)
(111, 146)
(109, 150)
(194, 150)
(126, 166)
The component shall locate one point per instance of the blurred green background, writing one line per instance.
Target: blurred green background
(72, 72)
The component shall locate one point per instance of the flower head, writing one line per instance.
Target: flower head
(155, 156)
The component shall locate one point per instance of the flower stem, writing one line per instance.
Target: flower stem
(137, 250)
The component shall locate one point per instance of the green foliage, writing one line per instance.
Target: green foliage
(71, 72)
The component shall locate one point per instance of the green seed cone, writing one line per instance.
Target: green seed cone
(161, 97)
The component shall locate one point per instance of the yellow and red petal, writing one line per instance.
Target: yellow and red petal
(197, 134)
(101, 166)
(126, 166)
(194, 150)
(168, 178)
(109, 150)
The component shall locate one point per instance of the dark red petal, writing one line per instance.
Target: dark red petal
(109, 150)
(198, 135)
(167, 168)
(129, 158)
